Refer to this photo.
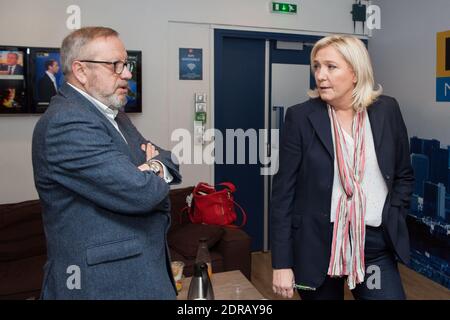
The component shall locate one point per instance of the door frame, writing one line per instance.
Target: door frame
(218, 38)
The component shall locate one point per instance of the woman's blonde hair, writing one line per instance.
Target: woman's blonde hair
(355, 54)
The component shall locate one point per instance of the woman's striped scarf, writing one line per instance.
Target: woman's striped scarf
(347, 251)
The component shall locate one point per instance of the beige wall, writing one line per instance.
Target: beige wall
(157, 28)
(404, 57)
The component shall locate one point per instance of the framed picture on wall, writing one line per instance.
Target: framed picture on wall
(13, 71)
(45, 77)
(190, 64)
(134, 96)
(31, 76)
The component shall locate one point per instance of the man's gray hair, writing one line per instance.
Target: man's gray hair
(73, 45)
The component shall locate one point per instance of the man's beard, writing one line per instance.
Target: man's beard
(115, 102)
(112, 101)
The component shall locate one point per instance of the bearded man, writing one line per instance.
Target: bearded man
(103, 187)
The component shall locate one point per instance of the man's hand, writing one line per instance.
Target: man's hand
(150, 153)
(282, 282)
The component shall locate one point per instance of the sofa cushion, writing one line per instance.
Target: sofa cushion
(22, 279)
(21, 231)
(185, 239)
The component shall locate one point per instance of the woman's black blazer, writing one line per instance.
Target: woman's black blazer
(300, 228)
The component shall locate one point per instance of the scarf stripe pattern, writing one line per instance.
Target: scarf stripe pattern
(347, 251)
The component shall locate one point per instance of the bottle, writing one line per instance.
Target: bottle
(203, 255)
(200, 287)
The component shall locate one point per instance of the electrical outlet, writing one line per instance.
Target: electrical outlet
(200, 97)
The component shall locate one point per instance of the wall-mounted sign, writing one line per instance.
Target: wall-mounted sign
(281, 7)
(191, 64)
(443, 66)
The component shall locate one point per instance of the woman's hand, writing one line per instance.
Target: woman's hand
(282, 282)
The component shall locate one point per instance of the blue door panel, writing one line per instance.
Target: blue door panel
(239, 85)
(239, 103)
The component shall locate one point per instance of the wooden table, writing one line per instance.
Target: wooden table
(230, 285)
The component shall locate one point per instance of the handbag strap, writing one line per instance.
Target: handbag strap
(228, 185)
(232, 189)
(244, 217)
(203, 186)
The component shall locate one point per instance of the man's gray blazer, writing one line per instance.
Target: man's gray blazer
(105, 220)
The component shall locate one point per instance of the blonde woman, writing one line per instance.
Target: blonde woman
(343, 188)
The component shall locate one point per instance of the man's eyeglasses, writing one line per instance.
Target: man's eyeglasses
(118, 65)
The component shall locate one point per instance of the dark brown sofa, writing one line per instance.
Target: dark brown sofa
(23, 246)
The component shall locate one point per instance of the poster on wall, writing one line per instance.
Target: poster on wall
(46, 76)
(31, 76)
(191, 62)
(13, 98)
(429, 218)
(134, 95)
(443, 66)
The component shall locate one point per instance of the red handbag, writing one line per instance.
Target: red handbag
(210, 206)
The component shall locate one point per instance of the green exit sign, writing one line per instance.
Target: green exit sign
(281, 7)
